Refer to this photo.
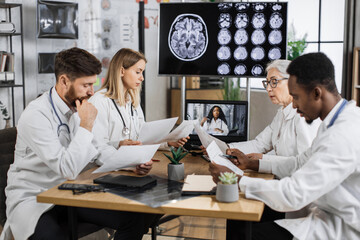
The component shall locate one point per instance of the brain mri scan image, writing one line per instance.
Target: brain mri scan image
(258, 37)
(241, 20)
(276, 20)
(223, 69)
(274, 53)
(257, 70)
(224, 6)
(240, 53)
(257, 54)
(224, 36)
(242, 6)
(241, 37)
(240, 69)
(258, 20)
(224, 20)
(275, 37)
(223, 53)
(276, 7)
(259, 7)
(188, 37)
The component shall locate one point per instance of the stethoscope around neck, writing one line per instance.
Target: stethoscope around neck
(126, 130)
(57, 115)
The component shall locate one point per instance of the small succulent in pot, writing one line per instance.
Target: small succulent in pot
(228, 178)
(176, 155)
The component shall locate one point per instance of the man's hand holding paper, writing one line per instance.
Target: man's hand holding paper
(215, 155)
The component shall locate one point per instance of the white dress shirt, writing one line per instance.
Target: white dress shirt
(220, 124)
(108, 128)
(287, 135)
(43, 159)
(326, 176)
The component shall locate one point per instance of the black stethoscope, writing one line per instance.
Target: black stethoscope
(341, 108)
(57, 115)
(126, 130)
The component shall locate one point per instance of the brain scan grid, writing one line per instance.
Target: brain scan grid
(238, 39)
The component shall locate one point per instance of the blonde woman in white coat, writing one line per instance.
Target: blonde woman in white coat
(120, 116)
(288, 134)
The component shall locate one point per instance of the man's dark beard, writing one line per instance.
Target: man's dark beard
(71, 97)
(309, 121)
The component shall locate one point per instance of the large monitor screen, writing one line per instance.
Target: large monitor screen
(226, 120)
(221, 39)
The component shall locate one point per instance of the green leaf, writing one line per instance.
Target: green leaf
(170, 158)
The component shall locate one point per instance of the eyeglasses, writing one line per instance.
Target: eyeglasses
(273, 82)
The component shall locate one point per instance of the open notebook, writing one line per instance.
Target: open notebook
(199, 185)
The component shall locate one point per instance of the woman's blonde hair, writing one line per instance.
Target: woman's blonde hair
(113, 83)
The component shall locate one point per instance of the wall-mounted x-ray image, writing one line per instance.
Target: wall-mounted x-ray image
(188, 37)
(220, 39)
(224, 20)
(57, 19)
(46, 62)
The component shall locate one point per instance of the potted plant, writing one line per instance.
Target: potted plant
(175, 168)
(227, 189)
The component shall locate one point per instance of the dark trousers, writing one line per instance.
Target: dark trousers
(128, 225)
(266, 229)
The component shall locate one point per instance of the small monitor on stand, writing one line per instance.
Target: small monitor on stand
(226, 120)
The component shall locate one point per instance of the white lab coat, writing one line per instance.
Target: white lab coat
(42, 160)
(287, 135)
(326, 176)
(220, 124)
(108, 128)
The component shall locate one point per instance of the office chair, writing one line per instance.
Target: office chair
(7, 148)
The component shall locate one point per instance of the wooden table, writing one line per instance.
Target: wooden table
(202, 206)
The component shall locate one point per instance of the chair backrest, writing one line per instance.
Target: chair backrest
(7, 148)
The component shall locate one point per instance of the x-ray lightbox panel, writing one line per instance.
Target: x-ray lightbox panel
(221, 39)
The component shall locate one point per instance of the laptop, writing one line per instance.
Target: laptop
(115, 180)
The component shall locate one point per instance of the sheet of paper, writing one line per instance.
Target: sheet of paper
(129, 156)
(215, 153)
(206, 139)
(155, 131)
(182, 131)
(198, 183)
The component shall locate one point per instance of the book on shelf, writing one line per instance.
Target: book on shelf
(6, 62)
(3, 61)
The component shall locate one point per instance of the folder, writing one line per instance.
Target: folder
(115, 180)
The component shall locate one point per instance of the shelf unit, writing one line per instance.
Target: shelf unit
(10, 9)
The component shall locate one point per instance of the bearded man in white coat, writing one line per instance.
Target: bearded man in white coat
(325, 178)
(47, 153)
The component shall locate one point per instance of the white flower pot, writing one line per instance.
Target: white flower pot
(176, 171)
(227, 192)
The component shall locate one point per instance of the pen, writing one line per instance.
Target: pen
(155, 160)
